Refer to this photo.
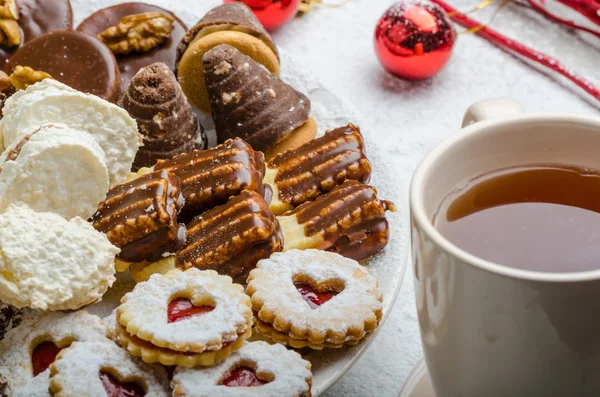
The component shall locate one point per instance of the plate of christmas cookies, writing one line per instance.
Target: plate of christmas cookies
(184, 209)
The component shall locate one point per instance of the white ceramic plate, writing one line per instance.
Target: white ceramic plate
(329, 111)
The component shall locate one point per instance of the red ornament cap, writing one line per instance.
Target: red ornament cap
(273, 14)
(414, 39)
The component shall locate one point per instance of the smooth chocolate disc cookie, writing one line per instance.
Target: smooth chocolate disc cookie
(130, 64)
(78, 60)
(37, 17)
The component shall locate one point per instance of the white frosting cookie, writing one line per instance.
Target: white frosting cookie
(16, 363)
(54, 168)
(88, 368)
(52, 102)
(50, 263)
(258, 369)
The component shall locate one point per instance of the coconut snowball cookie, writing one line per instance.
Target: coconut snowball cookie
(54, 168)
(50, 263)
(314, 299)
(28, 350)
(104, 369)
(258, 369)
(186, 318)
(52, 102)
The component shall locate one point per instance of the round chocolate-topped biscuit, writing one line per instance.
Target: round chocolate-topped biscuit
(76, 59)
(131, 63)
(37, 17)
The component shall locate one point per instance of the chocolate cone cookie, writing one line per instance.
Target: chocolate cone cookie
(233, 24)
(249, 102)
(165, 119)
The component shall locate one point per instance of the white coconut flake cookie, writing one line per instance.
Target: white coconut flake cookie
(28, 351)
(52, 102)
(186, 318)
(258, 369)
(104, 369)
(50, 263)
(54, 168)
(314, 299)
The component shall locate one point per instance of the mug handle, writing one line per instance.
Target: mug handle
(492, 109)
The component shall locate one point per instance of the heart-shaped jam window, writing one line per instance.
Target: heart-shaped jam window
(43, 356)
(116, 388)
(181, 309)
(313, 297)
(243, 377)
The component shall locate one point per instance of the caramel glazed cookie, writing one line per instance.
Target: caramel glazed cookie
(186, 318)
(314, 299)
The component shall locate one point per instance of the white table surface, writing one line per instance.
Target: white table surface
(410, 118)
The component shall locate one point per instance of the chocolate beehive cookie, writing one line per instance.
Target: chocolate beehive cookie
(210, 177)
(232, 24)
(249, 102)
(302, 175)
(165, 119)
(233, 237)
(349, 220)
(130, 64)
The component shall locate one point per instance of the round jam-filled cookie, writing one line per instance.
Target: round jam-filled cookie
(130, 64)
(76, 59)
(314, 299)
(104, 369)
(232, 24)
(257, 369)
(190, 318)
(37, 17)
(29, 350)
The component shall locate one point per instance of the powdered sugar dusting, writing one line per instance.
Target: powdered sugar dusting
(291, 374)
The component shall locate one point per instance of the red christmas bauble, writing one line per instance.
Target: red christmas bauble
(414, 39)
(273, 14)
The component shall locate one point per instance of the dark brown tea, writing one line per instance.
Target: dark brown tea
(541, 218)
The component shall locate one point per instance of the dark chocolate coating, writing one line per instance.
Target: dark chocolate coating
(248, 101)
(130, 64)
(76, 59)
(235, 14)
(37, 17)
(166, 121)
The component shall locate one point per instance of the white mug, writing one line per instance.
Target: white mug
(490, 330)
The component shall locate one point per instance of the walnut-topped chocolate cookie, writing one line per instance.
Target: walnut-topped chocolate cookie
(132, 61)
(233, 24)
(249, 102)
(165, 119)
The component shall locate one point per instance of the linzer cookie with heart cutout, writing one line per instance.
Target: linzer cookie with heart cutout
(315, 168)
(140, 34)
(101, 368)
(210, 177)
(251, 103)
(28, 19)
(187, 318)
(257, 369)
(314, 299)
(28, 351)
(165, 119)
(78, 60)
(140, 217)
(349, 220)
(233, 24)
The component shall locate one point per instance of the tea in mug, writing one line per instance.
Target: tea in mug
(544, 218)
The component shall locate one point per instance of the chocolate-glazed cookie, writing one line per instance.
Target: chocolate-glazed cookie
(73, 58)
(130, 64)
(37, 17)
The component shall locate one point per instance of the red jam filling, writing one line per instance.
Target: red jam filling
(43, 356)
(243, 377)
(114, 388)
(314, 298)
(182, 309)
